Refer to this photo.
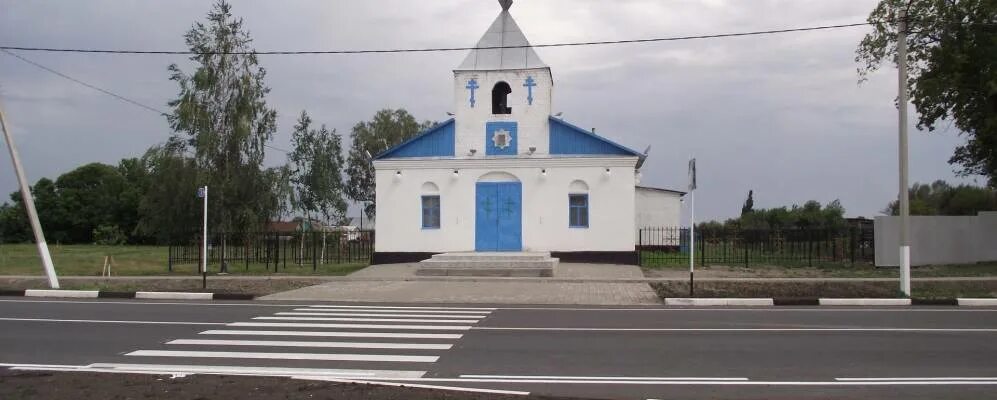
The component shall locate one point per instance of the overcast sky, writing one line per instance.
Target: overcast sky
(782, 115)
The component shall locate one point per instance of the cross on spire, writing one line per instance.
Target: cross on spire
(505, 4)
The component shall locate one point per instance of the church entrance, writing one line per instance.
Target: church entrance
(498, 222)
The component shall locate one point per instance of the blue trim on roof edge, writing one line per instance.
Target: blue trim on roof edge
(557, 121)
(436, 128)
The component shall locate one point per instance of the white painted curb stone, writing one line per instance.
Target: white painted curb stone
(88, 294)
(681, 301)
(865, 302)
(174, 296)
(977, 302)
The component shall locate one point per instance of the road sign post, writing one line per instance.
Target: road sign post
(692, 227)
(202, 192)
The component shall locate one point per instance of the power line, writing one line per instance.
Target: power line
(441, 49)
(105, 91)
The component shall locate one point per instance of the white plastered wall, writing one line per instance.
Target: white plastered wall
(533, 120)
(657, 208)
(545, 203)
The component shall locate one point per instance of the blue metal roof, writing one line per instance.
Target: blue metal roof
(437, 141)
(567, 139)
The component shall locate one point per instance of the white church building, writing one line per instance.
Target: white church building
(504, 175)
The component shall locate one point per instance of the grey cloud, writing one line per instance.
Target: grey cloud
(782, 115)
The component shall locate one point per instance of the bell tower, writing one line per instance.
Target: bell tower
(503, 93)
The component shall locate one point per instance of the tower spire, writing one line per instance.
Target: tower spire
(505, 4)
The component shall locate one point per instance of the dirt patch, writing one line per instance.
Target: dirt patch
(194, 284)
(828, 289)
(17, 385)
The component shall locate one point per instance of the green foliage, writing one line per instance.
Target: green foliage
(940, 198)
(385, 130)
(221, 108)
(952, 59)
(316, 171)
(108, 235)
(811, 215)
(169, 208)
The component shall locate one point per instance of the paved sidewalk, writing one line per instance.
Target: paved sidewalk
(589, 284)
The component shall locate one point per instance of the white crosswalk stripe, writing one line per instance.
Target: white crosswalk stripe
(323, 339)
(387, 335)
(347, 314)
(348, 345)
(459, 321)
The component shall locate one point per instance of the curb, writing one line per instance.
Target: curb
(682, 301)
(93, 294)
(814, 301)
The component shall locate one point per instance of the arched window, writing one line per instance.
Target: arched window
(578, 204)
(500, 98)
(430, 206)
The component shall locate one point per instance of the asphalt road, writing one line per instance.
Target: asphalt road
(628, 353)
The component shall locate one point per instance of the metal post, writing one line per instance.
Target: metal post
(29, 206)
(902, 108)
(692, 243)
(204, 242)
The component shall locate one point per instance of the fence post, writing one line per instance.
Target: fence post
(314, 251)
(810, 248)
(851, 243)
(221, 265)
(169, 258)
(744, 242)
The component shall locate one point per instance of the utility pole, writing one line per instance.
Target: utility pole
(904, 194)
(29, 206)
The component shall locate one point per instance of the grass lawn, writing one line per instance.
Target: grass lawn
(820, 270)
(88, 260)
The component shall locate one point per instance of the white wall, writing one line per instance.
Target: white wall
(545, 203)
(533, 120)
(657, 208)
(938, 240)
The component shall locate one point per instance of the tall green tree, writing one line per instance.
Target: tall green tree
(385, 130)
(222, 111)
(749, 203)
(316, 163)
(952, 59)
(941, 198)
(169, 209)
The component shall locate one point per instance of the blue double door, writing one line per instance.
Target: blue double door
(498, 222)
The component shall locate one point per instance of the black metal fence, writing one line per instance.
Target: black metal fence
(275, 250)
(662, 246)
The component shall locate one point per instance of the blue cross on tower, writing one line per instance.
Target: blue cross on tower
(530, 83)
(472, 85)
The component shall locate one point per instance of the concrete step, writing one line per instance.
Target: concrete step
(487, 272)
(489, 264)
(492, 256)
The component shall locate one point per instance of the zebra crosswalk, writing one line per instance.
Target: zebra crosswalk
(343, 341)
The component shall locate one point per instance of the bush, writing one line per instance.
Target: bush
(108, 235)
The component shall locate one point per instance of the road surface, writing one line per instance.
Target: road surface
(620, 353)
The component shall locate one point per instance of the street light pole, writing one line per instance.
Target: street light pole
(29, 206)
(904, 194)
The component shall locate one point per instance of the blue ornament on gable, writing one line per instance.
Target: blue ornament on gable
(529, 85)
(472, 85)
(501, 138)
